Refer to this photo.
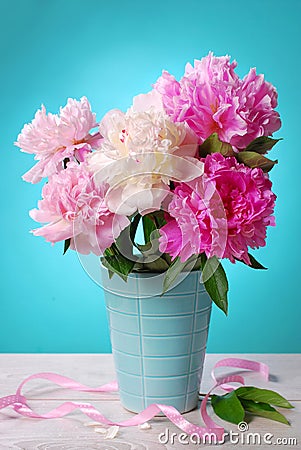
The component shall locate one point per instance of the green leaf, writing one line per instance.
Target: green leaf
(151, 259)
(159, 218)
(253, 159)
(173, 272)
(263, 410)
(263, 396)
(152, 222)
(152, 246)
(66, 245)
(115, 262)
(254, 263)
(215, 281)
(198, 264)
(158, 265)
(148, 227)
(144, 247)
(119, 265)
(111, 273)
(133, 227)
(109, 252)
(262, 144)
(228, 407)
(214, 145)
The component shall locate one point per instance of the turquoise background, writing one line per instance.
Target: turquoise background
(111, 51)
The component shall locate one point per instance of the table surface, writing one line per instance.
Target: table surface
(17, 432)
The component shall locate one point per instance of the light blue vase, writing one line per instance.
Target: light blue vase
(158, 342)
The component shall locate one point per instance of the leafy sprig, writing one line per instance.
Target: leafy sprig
(234, 406)
(252, 156)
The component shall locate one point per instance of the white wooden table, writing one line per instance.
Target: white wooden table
(18, 432)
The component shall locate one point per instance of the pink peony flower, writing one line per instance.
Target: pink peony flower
(52, 138)
(258, 100)
(196, 217)
(76, 209)
(210, 98)
(197, 221)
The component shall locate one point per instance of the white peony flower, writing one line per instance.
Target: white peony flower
(141, 151)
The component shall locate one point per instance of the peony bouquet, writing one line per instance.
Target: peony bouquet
(186, 164)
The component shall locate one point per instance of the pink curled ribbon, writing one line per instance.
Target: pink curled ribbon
(19, 401)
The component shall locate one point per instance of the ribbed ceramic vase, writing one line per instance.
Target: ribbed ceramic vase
(158, 342)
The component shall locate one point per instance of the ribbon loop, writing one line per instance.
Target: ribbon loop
(19, 401)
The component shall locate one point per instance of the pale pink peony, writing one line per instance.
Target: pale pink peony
(76, 208)
(248, 203)
(210, 98)
(52, 138)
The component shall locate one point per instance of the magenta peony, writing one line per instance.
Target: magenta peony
(196, 221)
(76, 209)
(53, 138)
(210, 98)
